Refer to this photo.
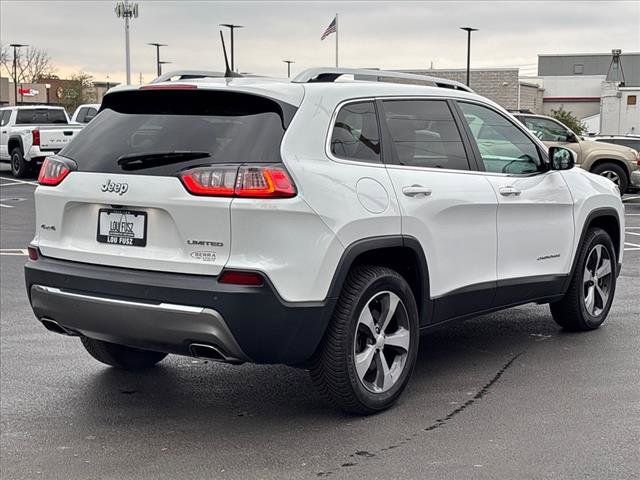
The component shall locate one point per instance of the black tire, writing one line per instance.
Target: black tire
(333, 370)
(615, 172)
(571, 312)
(20, 168)
(120, 356)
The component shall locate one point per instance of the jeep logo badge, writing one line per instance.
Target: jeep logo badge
(119, 188)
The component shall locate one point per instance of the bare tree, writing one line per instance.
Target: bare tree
(32, 63)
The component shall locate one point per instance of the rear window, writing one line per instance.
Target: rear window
(41, 116)
(216, 127)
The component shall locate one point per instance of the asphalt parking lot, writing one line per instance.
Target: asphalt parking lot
(507, 395)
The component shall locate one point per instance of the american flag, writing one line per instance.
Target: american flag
(330, 29)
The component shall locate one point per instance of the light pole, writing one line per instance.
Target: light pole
(231, 27)
(288, 62)
(16, 46)
(158, 62)
(468, 30)
(127, 10)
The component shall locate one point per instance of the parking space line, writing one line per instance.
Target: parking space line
(632, 244)
(5, 206)
(13, 251)
(15, 181)
(633, 233)
(632, 249)
(631, 198)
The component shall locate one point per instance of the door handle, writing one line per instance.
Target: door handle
(509, 191)
(416, 191)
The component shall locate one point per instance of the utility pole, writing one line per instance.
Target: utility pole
(127, 10)
(468, 30)
(160, 66)
(16, 46)
(231, 27)
(288, 62)
(158, 62)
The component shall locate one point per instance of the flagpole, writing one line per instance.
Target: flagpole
(337, 40)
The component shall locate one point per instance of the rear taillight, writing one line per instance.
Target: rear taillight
(33, 253)
(235, 277)
(247, 181)
(35, 137)
(53, 172)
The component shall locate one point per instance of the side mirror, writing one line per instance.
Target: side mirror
(571, 138)
(561, 158)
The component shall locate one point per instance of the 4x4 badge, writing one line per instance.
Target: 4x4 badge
(119, 188)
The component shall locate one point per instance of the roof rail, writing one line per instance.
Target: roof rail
(187, 75)
(329, 74)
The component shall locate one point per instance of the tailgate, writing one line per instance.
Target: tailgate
(170, 230)
(56, 138)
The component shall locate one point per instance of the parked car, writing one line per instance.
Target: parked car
(631, 141)
(615, 162)
(29, 134)
(316, 224)
(85, 113)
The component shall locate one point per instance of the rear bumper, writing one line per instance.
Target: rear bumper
(172, 312)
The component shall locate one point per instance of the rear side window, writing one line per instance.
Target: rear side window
(41, 116)
(425, 134)
(4, 117)
(356, 134)
(163, 132)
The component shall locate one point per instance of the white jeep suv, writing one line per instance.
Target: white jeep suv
(313, 223)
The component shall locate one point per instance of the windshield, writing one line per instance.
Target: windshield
(41, 116)
(219, 127)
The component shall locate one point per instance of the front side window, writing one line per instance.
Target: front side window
(547, 130)
(504, 148)
(355, 134)
(81, 114)
(425, 134)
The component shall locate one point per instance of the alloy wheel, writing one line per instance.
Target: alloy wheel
(382, 341)
(597, 278)
(611, 175)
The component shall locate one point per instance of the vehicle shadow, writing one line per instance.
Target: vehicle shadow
(196, 392)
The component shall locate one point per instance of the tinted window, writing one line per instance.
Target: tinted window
(89, 114)
(547, 130)
(81, 114)
(4, 117)
(229, 127)
(40, 116)
(355, 134)
(424, 134)
(503, 147)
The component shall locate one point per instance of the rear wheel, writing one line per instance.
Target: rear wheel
(587, 302)
(119, 356)
(19, 166)
(371, 344)
(613, 172)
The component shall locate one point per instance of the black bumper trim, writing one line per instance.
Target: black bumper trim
(266, 328)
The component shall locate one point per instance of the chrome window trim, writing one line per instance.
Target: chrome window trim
(382, 164)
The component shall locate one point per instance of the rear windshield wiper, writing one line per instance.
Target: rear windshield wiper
(138, 161)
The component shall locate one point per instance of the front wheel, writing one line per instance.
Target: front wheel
(370, 347)
(119, 356)
(615, 173)
(586, 304)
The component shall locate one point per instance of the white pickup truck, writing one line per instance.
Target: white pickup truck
(29, 134)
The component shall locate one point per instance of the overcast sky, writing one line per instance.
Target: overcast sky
(87, 36)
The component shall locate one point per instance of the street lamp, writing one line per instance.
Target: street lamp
(16, 46)
(127, 10)
(288, 62)
(468, 30)
(158, 62)
(231, 27)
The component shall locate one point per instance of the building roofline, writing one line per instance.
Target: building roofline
(584, 54)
